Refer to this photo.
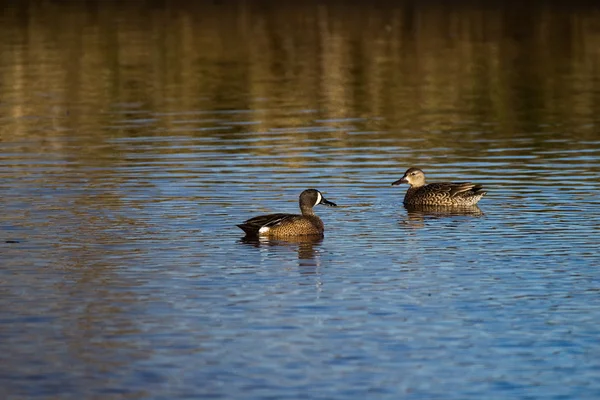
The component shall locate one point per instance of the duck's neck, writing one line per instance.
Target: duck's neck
(411, 190)
(307, 211)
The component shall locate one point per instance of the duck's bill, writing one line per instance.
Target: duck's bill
(328, 203)
(399, 181)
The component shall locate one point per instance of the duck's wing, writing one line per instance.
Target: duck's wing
(265, 221)
(453, 189)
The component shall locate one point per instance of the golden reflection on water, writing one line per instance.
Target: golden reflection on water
(422, 66)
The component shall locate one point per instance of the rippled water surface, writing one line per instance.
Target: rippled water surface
(133, 139)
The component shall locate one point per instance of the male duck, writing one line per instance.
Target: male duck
(278, 225)
(463, 194)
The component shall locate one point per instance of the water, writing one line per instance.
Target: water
(134, 138)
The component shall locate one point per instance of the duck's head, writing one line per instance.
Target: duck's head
(312, 197)
(413, 177)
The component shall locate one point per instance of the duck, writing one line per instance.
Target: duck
(461, 194)
(289, 225)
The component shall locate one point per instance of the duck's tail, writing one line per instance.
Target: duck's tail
(248, 229)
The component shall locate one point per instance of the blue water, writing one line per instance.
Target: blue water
(123, 275)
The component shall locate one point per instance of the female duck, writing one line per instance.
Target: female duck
(463, 194)
(278, 225)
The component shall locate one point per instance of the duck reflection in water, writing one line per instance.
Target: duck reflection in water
(416, 215)
(305, 246)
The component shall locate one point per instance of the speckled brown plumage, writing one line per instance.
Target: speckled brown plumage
(438, 194)
(281, 225)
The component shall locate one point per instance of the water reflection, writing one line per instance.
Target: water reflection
(278, 63)
(417, 215)
(305, 246)
(134, 137)
(442, 211)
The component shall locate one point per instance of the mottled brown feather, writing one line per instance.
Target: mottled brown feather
(282, 225)
(439, 193)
